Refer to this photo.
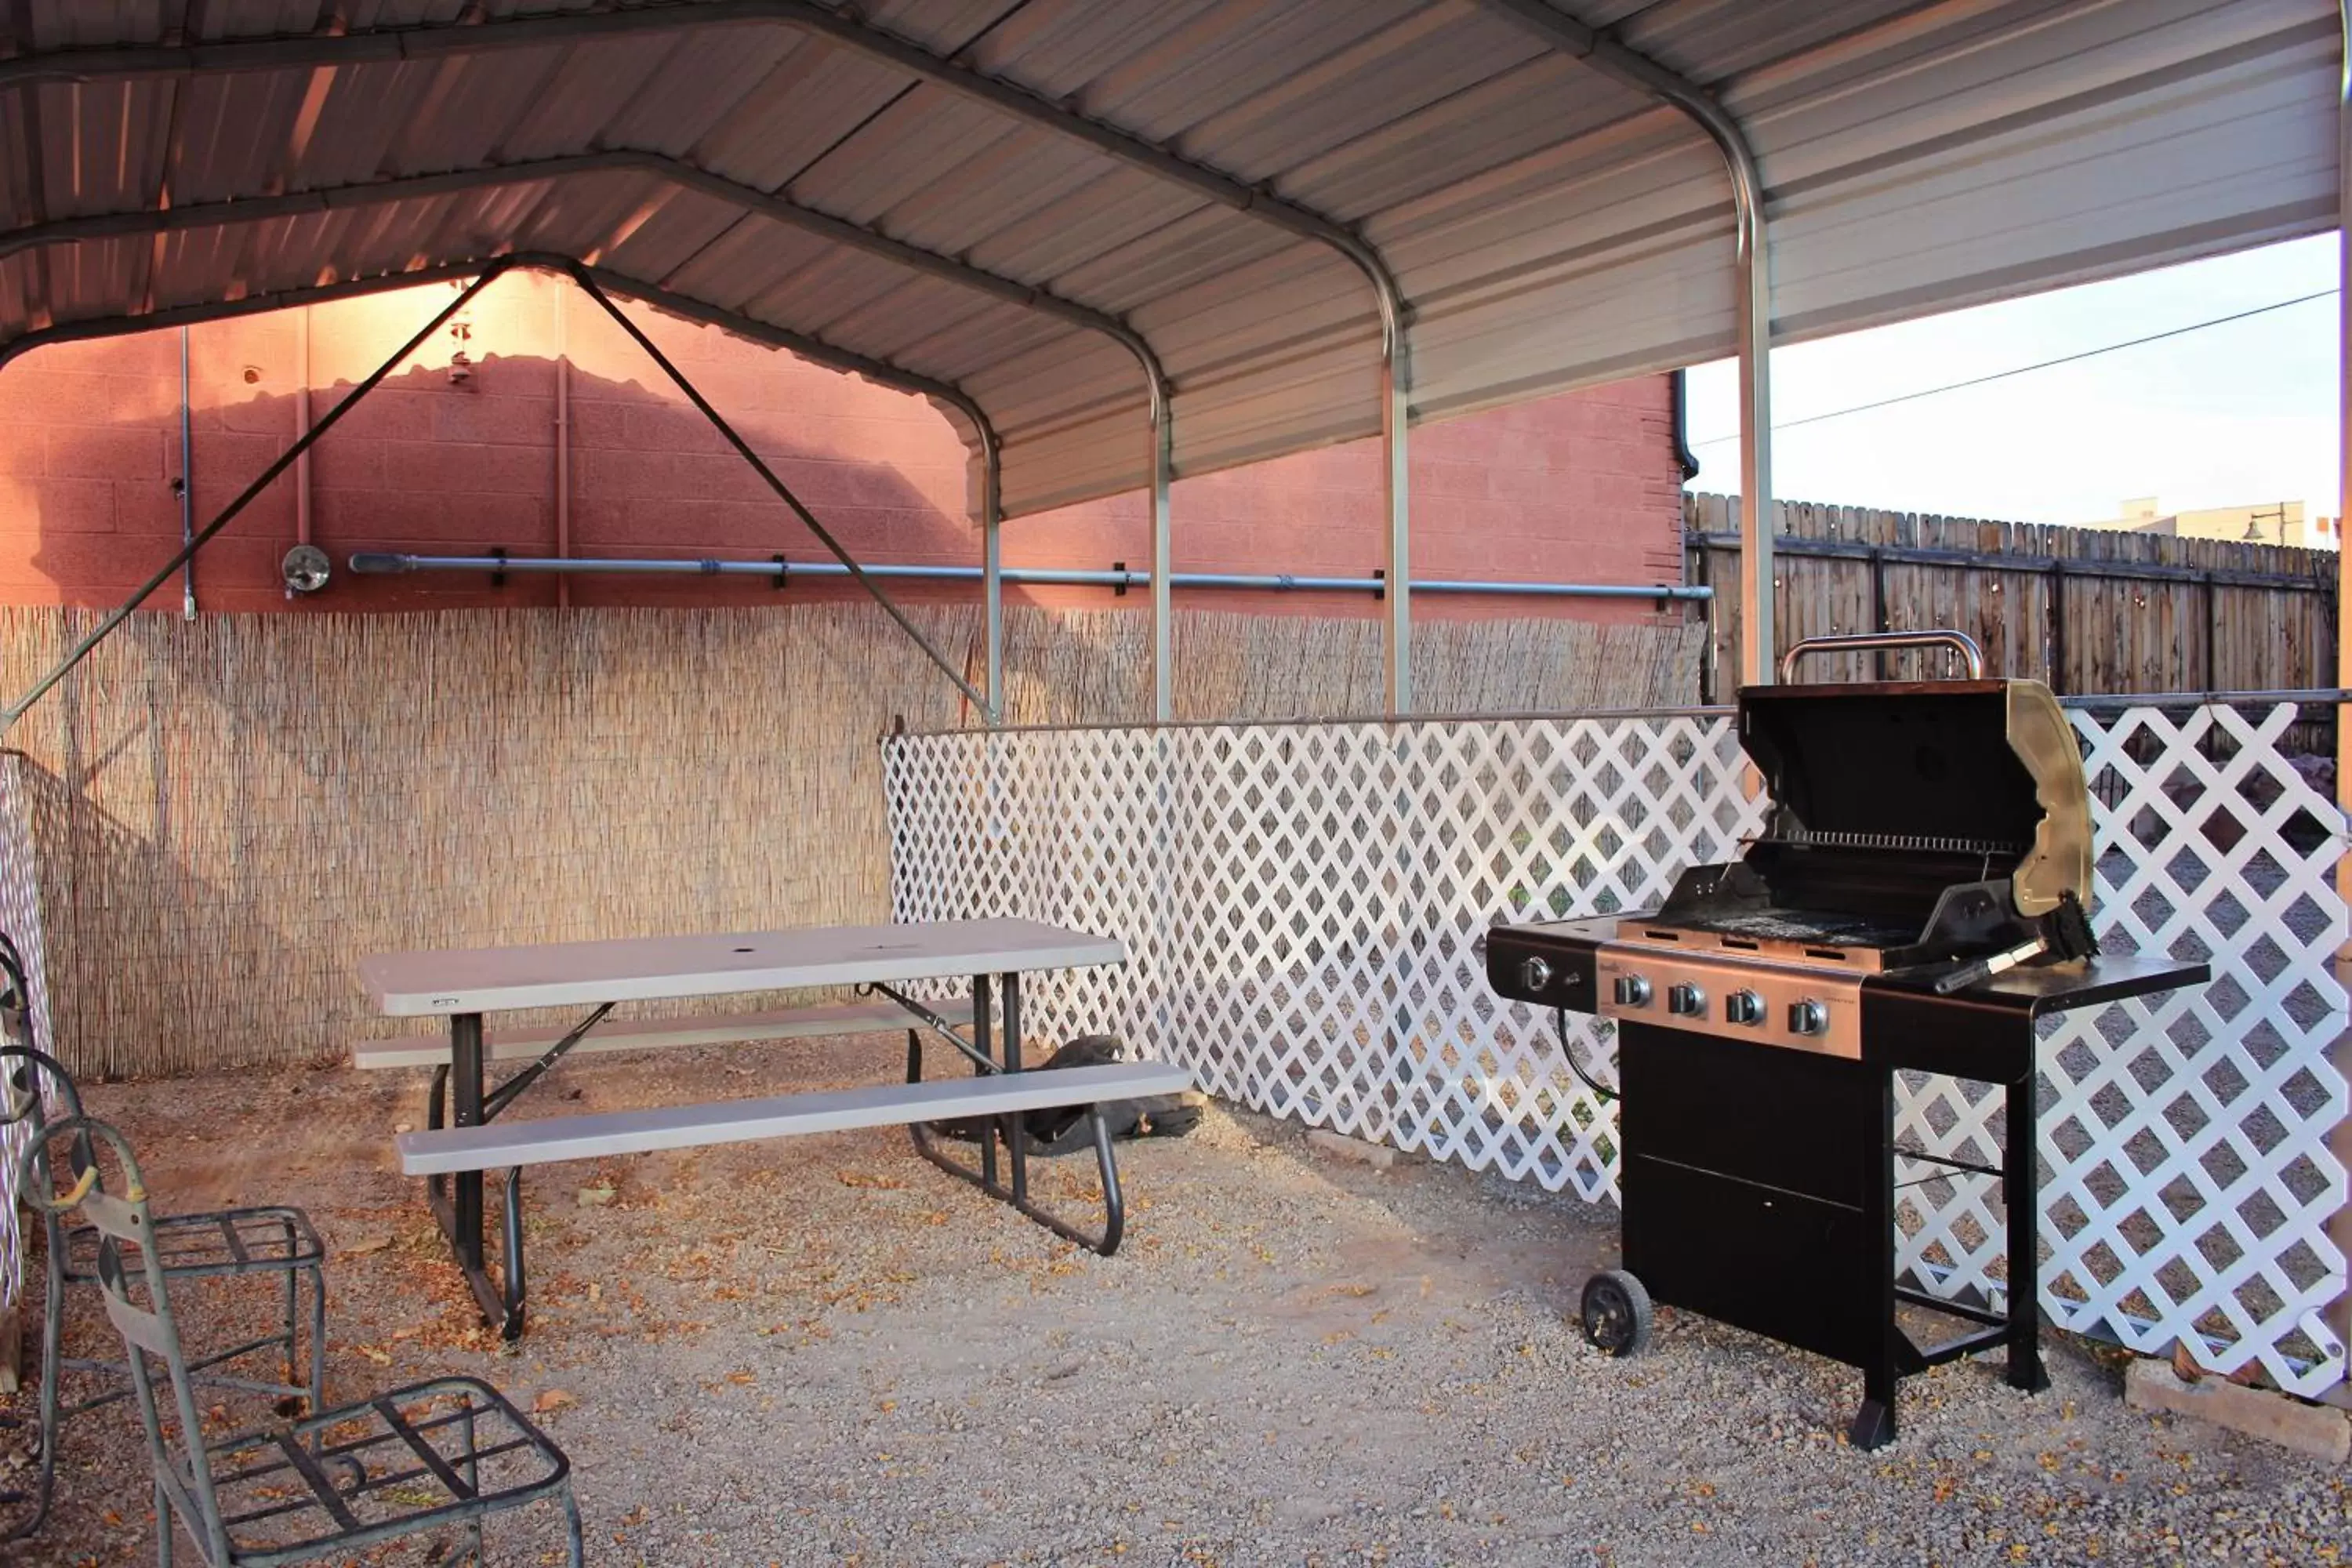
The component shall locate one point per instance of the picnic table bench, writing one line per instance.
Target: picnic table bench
(465, 985)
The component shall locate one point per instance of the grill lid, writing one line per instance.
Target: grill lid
(1940, 771)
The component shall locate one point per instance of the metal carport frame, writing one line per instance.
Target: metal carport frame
(593, 284)
(1755, 258)
(340, 47)
(1429, 143)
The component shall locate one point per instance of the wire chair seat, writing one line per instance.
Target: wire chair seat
(430, 1454)
(265, 1242)
(199, 1245)
(446, 1453)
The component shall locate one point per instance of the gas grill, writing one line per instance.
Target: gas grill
(1917, 898)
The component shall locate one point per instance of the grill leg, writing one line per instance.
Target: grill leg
(1874, 1423)
(2019, 1194)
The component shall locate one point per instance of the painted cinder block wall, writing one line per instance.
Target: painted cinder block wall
(1583, 487)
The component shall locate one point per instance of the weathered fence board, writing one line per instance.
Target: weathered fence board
(2091, 611)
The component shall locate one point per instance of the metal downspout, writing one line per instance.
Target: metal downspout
(562, 440)
(268, 475)
(1597, 48)
(302, 524)
(187, 488)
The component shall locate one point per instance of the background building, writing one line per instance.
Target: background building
(2262, 522)
(534, 425)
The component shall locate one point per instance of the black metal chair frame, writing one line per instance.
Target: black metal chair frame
(230, 1242)
(319, 1465)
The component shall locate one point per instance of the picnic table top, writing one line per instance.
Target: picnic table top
(632, 969)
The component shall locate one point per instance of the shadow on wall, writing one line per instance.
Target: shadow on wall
(89, 505)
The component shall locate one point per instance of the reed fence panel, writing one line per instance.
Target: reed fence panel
(227, 814)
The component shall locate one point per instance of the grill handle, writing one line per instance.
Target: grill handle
(1857, 642)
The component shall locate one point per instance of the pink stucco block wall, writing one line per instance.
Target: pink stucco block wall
(1582, 487)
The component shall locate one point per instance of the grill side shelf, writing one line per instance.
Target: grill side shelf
(1986, 1031)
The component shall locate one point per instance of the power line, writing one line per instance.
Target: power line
(2021, 369)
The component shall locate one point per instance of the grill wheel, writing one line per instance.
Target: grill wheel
(1617, 1313)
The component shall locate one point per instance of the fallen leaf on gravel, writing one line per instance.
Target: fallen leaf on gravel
(861, 1179)
(553, 1399)
(381, 1358)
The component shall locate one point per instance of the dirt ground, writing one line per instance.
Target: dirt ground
(823, 1350)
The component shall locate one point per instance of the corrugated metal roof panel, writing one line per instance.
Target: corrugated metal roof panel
(1548, 226)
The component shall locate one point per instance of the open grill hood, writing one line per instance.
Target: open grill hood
(1913, 785)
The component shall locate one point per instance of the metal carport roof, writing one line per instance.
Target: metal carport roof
(1034, 208)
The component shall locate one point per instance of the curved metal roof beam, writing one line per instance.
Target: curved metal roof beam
(815, 350)
(429, 43)
(746, 199)
(1597, 48)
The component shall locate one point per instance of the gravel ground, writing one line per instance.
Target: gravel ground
(824, 1351)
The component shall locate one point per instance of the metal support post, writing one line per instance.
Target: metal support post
(991, 570)
(1758, 648)
(246, 497)
(1600, 49)
(2340, 1141)
(1396, 486)
(1163, 567)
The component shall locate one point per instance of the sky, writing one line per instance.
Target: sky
(2239, 414)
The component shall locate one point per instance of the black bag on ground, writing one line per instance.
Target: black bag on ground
(1064, 1130)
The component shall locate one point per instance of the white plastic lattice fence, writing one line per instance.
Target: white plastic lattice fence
(20, 916)
(1300, 901)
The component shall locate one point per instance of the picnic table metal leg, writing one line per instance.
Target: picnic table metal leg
(465, 1075)
(459, 1206)
(984, 1037)
(1016, 1133)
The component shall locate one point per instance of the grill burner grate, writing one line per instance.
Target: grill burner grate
(1812, 928)
(1909, 844)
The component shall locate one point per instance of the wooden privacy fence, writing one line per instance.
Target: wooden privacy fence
(2093, 612)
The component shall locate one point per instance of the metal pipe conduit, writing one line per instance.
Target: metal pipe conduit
(388, 563)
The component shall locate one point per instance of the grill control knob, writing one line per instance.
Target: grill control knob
(1535, 973)
(1743, 1007)
(1633, 990)
(1686, 1001)
(1809, 1017)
